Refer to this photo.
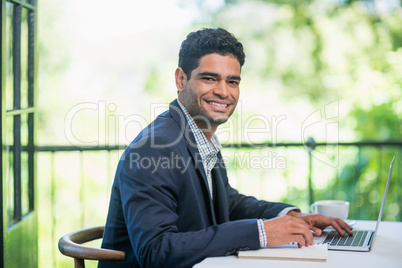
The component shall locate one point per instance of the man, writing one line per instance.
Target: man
(171, 203)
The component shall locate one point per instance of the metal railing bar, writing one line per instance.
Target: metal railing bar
(109, 171)
(310, 174)
(16, 23)
(53, 200)
(71, 148)
(56, 148)
(357, 176)
(399, 182)
(82, 189)
(22, 3)
(20, 111)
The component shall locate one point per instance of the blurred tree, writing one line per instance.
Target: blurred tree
(325, 51)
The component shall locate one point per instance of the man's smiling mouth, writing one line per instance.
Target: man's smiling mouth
(218, 104)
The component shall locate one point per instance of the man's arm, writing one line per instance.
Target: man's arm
(248, 207)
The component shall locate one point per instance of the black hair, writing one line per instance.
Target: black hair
(208, 41)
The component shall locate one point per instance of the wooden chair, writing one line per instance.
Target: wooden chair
(70, 245)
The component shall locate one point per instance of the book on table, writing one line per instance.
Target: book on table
(316, 252)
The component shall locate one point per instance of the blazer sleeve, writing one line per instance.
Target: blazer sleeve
(248, 207)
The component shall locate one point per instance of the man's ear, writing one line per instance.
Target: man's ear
(181, 79)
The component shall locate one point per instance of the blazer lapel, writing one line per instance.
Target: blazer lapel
(199, 168)
(180, 118)
(220, 197)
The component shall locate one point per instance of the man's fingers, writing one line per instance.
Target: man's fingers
(299, 240)
(341, 227)
(288, 229)
(344, 226)
(315, 231)
(319, 221)
(338, 228)
(303, 231)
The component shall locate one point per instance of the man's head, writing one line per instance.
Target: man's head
(208, 77)
(208, 41)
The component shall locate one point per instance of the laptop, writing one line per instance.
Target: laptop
(362, 240)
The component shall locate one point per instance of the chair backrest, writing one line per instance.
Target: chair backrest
(70, 245)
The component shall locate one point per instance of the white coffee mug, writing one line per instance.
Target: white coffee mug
(331, 208)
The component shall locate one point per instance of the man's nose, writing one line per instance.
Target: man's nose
(222, 89)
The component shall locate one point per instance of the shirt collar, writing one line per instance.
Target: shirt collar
(205, 147)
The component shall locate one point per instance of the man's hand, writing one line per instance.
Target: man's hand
(287, 229)
(318, 222)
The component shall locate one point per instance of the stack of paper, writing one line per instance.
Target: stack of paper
(317, 252)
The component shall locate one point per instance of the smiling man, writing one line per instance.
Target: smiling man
(178, 214)
(211, 91)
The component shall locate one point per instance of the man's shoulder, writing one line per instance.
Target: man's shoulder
(164, 130)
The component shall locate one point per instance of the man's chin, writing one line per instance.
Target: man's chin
(219, 121)
(214, 121)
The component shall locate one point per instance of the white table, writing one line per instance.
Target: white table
(385, 253)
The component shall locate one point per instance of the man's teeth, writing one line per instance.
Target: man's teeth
(218, 104)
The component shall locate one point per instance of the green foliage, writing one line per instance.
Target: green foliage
(315, 49)
(379, 123)
(324, 51)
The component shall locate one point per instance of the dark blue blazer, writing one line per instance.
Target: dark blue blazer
(161, 213)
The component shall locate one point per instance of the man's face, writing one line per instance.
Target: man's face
(212, 92)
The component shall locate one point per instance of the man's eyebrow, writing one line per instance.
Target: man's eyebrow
(209, 74)
(234, 77)
(231, 77)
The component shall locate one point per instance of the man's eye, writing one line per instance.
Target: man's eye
(234, 82)
(208, 78)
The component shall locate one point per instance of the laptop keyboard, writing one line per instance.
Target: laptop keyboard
(335, 239)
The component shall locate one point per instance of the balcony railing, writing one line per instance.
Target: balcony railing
(74, 182)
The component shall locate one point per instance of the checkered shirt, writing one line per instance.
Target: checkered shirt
(208, 148)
